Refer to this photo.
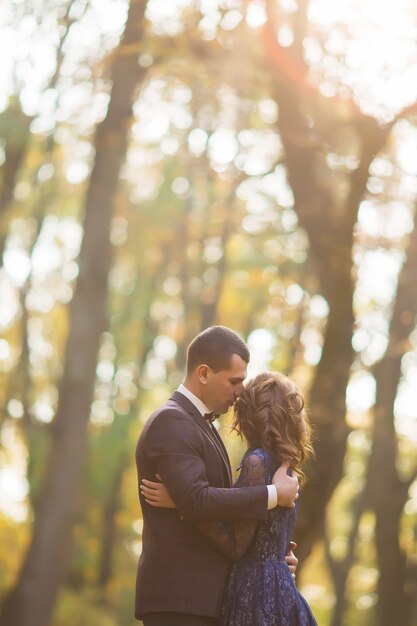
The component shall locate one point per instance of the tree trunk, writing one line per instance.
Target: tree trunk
(329, 222)
(340, 569)
(388, 493)
(31, 601)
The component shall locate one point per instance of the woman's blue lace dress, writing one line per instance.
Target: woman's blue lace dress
(261, 590)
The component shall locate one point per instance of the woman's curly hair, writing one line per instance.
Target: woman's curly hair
(270, 414)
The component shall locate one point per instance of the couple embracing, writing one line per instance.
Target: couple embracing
(214, 553)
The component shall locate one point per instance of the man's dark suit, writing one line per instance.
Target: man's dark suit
(178, 569)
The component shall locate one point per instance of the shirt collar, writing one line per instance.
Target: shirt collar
(199, 405)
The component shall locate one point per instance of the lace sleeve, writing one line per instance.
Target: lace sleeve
(254, 469)
(232, 539)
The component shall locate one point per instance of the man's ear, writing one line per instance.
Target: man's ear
(203, 373)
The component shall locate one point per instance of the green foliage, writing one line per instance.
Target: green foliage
(82, 609)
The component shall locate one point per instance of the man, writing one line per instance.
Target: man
(181, 577)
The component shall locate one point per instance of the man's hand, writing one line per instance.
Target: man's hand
(291, 560)
(156, 494)
(287, 486)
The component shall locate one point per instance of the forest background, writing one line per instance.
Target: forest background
(166, 165)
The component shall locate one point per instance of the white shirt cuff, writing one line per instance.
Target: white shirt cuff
(272, 497)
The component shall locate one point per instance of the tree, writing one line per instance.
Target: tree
(309, 129)
(387, 489)
(31, 600)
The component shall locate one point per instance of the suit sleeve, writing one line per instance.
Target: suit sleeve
(175, 446)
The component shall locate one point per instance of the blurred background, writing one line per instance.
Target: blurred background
(166, 165)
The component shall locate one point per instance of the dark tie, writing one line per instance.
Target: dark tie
(210, 417)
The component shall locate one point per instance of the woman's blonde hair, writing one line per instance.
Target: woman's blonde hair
(270, 414)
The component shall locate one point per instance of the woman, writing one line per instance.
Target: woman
(261, 591)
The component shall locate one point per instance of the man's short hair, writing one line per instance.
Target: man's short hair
(215, 347)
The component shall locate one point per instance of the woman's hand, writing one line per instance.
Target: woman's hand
(291, 559)
(156, 494)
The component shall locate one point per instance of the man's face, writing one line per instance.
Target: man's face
(220, 389)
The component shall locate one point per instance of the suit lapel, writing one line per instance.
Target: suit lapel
(209, 430)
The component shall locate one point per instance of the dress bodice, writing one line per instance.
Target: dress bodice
(273, 536)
